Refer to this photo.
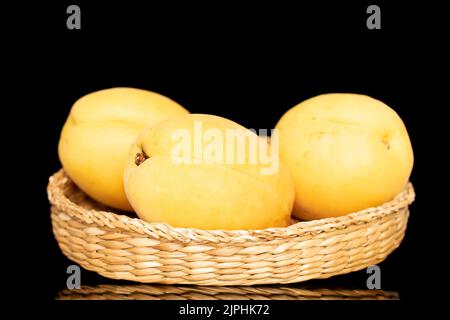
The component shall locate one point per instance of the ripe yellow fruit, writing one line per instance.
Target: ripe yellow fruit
(345, 152)
(97, 136)
(186, 189)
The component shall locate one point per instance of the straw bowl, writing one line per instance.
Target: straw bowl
(118, 245)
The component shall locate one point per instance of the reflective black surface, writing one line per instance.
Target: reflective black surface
(247, 63)
(172, 292)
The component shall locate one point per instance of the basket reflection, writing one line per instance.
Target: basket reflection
(169, 292)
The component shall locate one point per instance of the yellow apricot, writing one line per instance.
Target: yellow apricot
(186, 189)
(345, 152)
(97, 136)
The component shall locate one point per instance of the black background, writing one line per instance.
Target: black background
(249, 63)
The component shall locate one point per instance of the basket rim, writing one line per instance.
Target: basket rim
(59, 181)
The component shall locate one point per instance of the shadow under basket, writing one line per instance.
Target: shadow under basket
(121, 247)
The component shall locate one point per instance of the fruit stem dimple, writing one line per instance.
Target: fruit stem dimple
(386, 143)
(140, 157)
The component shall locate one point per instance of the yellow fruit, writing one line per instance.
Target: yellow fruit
(345, 152)
(96, 138)
(204, 193)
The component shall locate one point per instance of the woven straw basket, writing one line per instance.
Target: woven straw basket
(167, 292)
(118, 246)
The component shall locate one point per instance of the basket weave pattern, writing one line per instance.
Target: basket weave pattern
(121, 247)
